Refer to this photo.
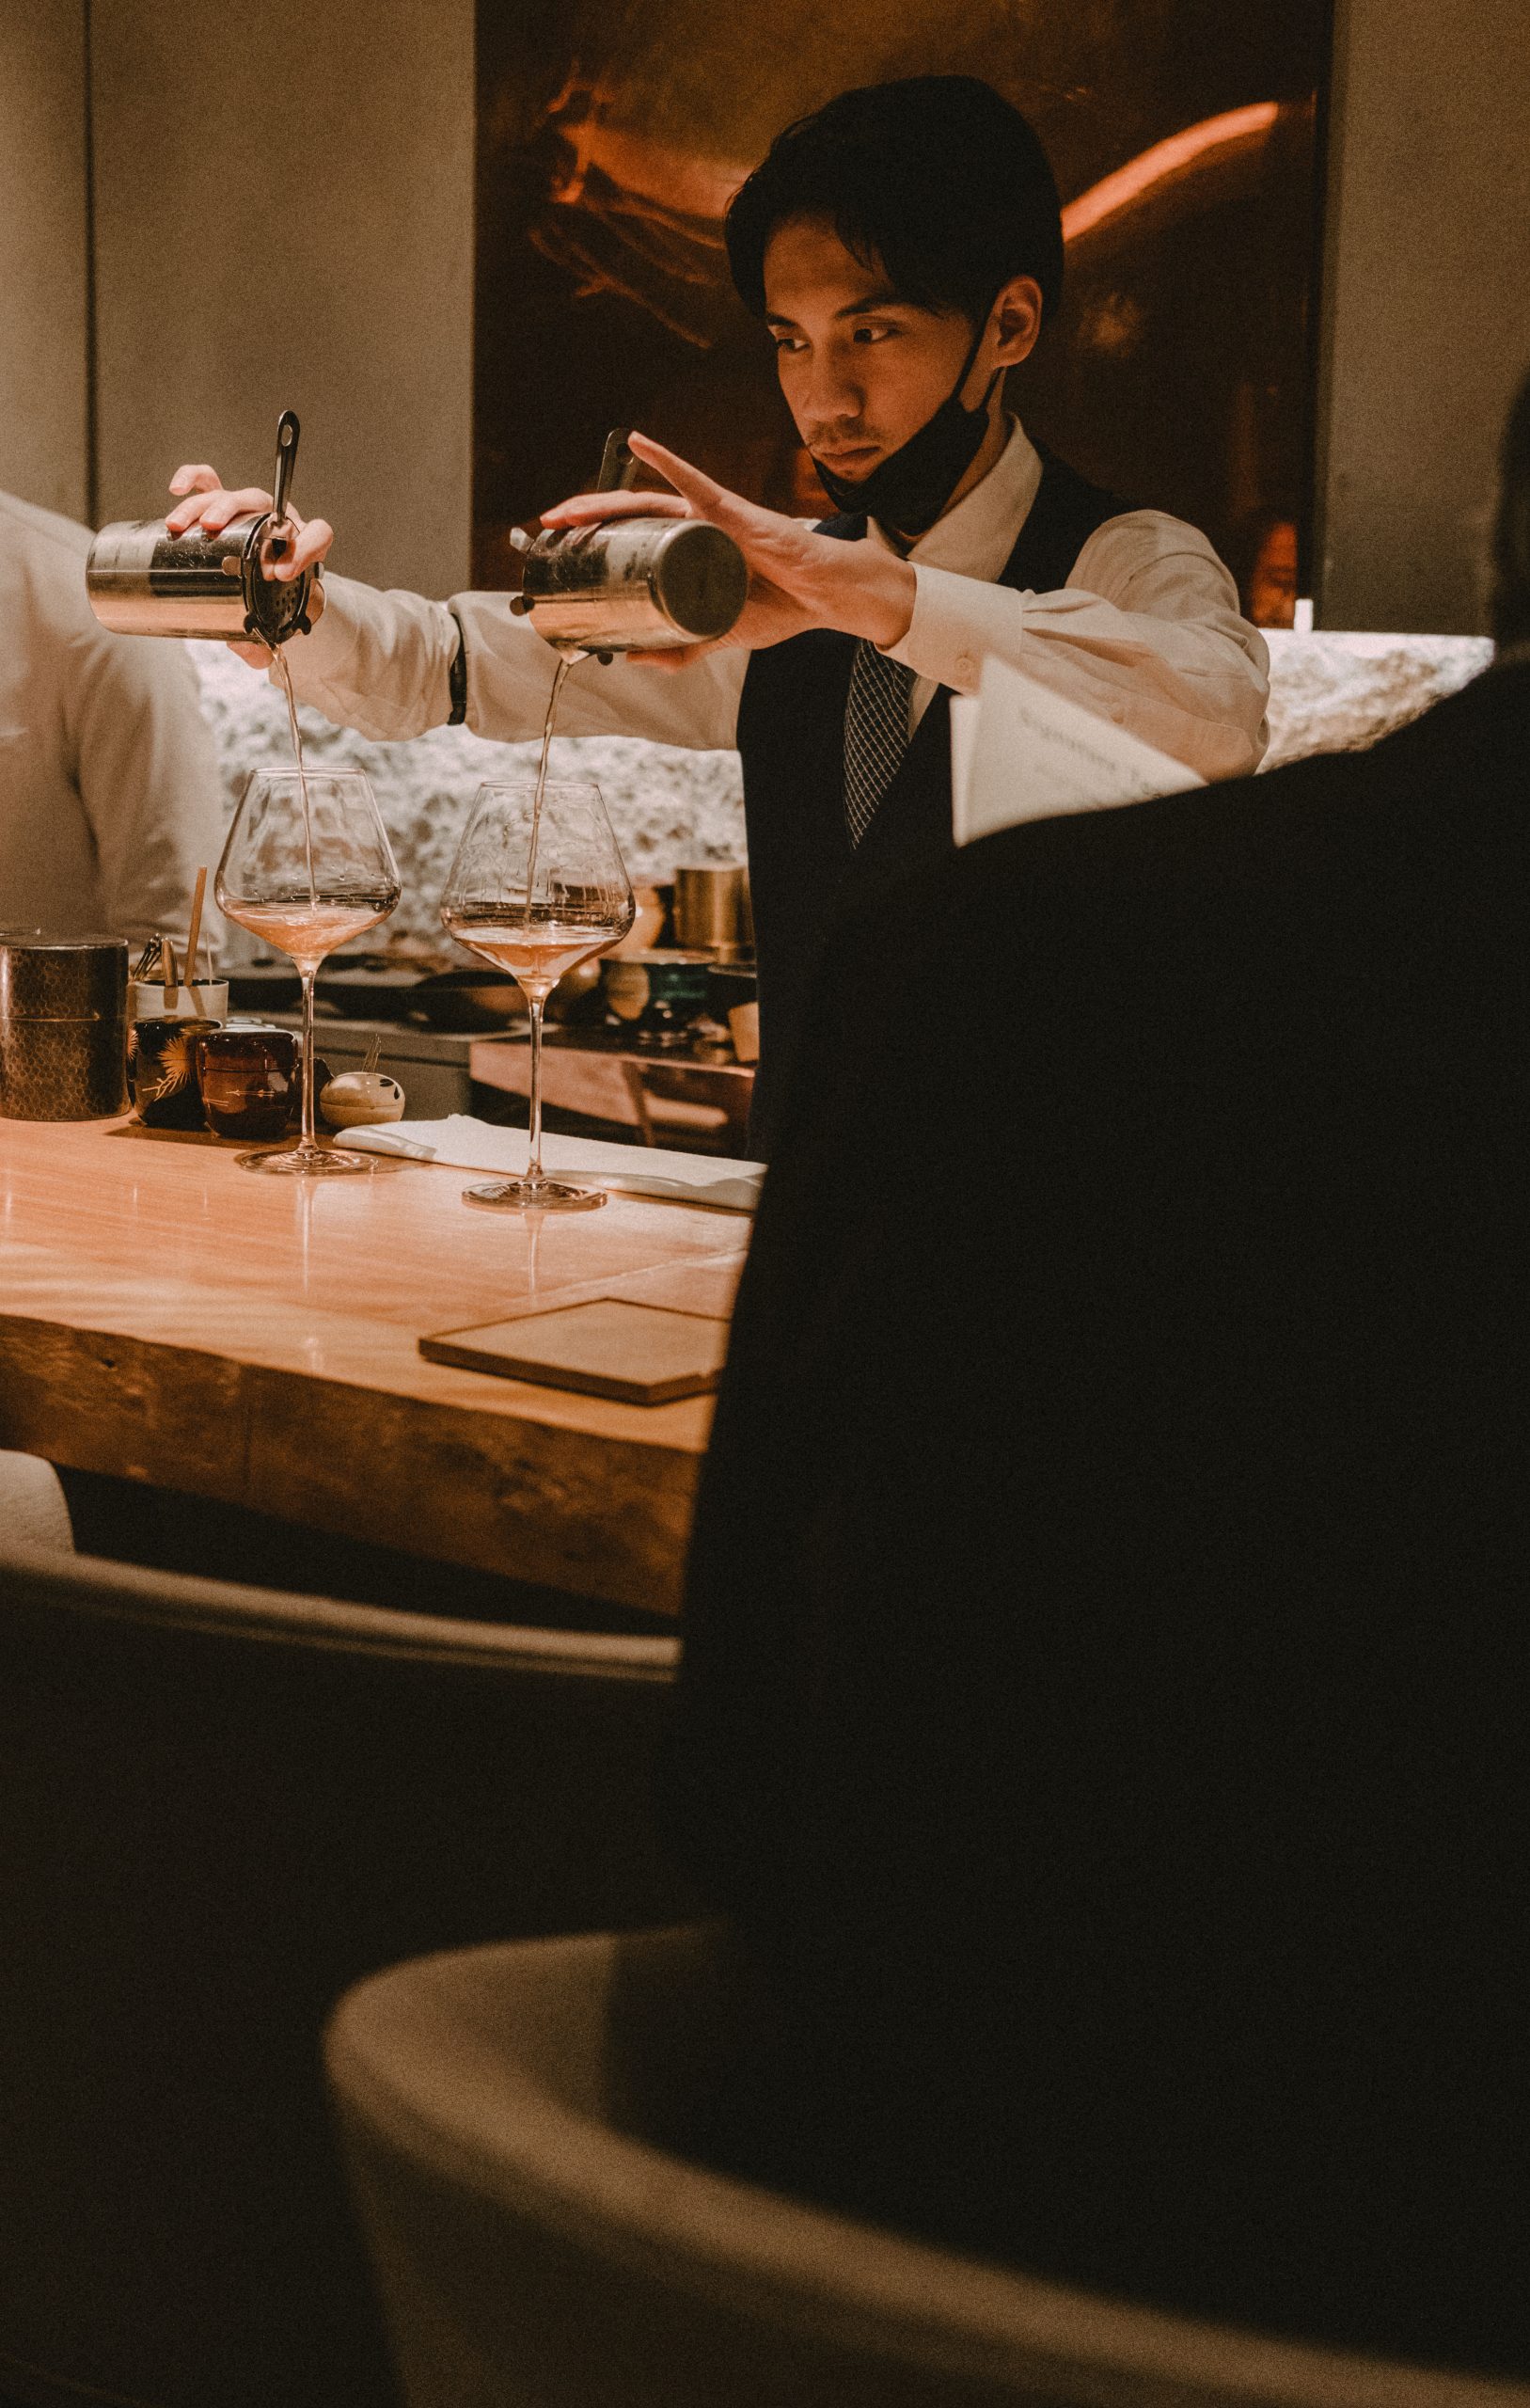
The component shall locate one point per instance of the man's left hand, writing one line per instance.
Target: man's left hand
(797, 578)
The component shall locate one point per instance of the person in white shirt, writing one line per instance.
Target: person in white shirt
(898, 291)
(110, 798)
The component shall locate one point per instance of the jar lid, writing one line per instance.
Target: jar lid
(47, 977)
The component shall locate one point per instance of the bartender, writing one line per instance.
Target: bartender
(898, 292)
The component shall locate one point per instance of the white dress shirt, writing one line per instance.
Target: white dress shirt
(110, 797)
(1146, 632)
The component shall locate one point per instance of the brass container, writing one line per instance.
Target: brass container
(709, 908)
(63, 1026)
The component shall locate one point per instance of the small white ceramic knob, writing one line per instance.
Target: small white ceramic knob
(358, 1098)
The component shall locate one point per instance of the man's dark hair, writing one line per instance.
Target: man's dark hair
(1511, 529)
(935, 178)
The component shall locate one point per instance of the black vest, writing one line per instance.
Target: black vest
(803, 870)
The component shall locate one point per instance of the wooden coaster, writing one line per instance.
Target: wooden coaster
(606, 1346)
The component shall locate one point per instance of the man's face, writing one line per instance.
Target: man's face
(862, 369)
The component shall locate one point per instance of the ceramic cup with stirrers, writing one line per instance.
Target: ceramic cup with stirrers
(308, 866)
(536, 885)
(160, 989)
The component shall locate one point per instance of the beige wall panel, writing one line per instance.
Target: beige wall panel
(284, 210)
(1426, 305)
(42, 254)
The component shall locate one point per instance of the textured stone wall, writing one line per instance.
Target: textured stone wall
(1328, 692)
(1335, 693)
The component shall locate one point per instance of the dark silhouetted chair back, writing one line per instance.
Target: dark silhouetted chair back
(34, 1511)
(218, 1807)
(506, 2112)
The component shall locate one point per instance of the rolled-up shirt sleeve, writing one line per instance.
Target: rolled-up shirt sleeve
(381, 663)
(1146, 632)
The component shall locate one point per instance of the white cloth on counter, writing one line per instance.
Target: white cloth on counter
(716, 1180)
(1147, 633)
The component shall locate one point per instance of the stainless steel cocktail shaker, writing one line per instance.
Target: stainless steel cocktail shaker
(144, 581)
(630, 584)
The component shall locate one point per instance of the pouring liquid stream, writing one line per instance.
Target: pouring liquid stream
(565, 663)
(286, 676)
(310, 930)
(544, 940)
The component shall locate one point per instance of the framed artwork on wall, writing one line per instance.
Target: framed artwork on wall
(1184, 133)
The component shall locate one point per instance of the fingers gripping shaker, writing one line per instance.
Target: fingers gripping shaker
(631, 584)
(142, 580)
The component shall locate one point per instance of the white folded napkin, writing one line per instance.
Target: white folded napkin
(639, 1170)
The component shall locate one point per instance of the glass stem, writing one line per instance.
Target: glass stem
(308, 977)
(533, 1167)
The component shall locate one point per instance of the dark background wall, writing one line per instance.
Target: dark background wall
(1426, 322)
(333, 268)
(1179, 373)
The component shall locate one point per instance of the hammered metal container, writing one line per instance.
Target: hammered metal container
(63, 1026)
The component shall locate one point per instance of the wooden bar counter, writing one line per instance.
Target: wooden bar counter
(169, 1317)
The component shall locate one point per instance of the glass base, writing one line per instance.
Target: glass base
(522, 1195)
(308, 1161)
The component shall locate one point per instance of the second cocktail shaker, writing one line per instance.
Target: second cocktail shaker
(630, 584)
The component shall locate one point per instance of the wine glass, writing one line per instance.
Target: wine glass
(536, 885)
(308, 866)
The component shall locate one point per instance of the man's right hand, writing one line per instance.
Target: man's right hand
(798, 578)
(209, 504)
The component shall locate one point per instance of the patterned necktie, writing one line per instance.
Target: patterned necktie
(876, 733)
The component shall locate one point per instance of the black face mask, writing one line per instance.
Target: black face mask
(906, 492)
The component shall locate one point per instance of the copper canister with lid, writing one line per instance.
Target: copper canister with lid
(63, 1026)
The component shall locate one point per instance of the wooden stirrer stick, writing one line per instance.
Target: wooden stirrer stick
(196, 932)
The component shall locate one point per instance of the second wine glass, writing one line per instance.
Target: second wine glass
(536, 885)
(308, 866)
